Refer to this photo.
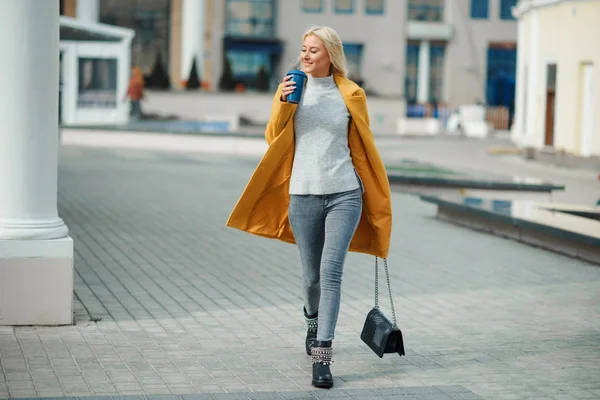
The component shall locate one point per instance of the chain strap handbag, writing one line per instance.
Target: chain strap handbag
(379, 333)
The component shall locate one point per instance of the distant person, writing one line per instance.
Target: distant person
(321, 185)
(135, 92)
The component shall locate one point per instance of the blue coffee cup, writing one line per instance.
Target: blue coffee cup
(299, 78)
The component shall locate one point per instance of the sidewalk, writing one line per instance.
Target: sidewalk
(471, 156)
(171, 302)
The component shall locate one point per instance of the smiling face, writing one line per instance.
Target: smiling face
(314, 56)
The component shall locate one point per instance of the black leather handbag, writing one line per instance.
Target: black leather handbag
(380, 333)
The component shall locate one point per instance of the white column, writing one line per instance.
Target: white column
(587, 112)
(36, 260)
(192, 36)
(88, 10)
(423, 77)
(29, 121)
(448, 11)
(533, 77)
(517, 130)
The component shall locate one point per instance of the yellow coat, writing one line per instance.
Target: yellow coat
(263, 207)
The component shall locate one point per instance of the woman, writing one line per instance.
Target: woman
(135, 92)
(322, 185)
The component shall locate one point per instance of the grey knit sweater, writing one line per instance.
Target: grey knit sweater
(322, 163)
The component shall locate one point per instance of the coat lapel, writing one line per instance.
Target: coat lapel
(347, 88)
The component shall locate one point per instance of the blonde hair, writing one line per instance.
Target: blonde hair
(334, 47)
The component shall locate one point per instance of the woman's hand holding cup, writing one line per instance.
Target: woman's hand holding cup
(288, 87)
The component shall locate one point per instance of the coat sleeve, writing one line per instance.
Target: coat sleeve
(281, 112)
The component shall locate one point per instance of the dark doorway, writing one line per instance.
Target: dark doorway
(501, 76)
(550, 104)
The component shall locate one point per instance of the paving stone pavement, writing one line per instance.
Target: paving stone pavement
(170, 302)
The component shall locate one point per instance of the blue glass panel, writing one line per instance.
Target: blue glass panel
(502, 206)
(412, 72)
(479, 9)
(353, 52)
(505, 8)
(472, 201)
(501, 72)
(437, 53)
(353, 49)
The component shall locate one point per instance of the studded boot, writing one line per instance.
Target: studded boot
(321, 360)
(311, 333)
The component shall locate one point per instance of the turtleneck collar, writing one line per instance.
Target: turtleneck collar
(321, 83)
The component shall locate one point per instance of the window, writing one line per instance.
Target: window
(151, 21)
(97, 86)
(506, 8)
(550, 104)
(501, 73)
(343, 6)
(250, 18)
(525, 98)
(426, 10)
(313, 6)
(551, 77)
(246, 64)
(353, 52)
(412, 72)
(148, 22)
(501, 77)
(436, 71)
(479, 9)
(374, 6)
(437, 52)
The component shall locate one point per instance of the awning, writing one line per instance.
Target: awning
(72, 29)
(261, 44)
(80, 35)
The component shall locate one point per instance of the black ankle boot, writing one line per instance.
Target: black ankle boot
(311, 333)
(321, 360)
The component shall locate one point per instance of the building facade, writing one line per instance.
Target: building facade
(557, 72)
(481, 56)
(426, 51)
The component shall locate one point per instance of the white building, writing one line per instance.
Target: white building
(95, 71)
(557, 70)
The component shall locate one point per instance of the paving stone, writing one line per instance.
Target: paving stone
(165, 397)
(197, 397)
(25, 393)
(263, 396)
(214, 310)
(99, 398)
(231, 396)
(132, 397)
(296, 395)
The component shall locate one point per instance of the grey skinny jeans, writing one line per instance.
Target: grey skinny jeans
(323, 227)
